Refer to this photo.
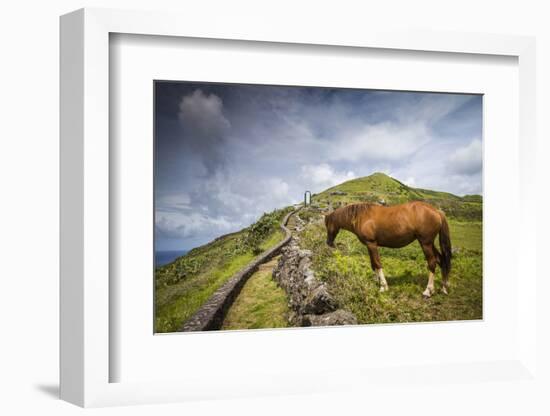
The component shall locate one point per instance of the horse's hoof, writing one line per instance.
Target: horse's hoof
(383, 289)
(445, 291)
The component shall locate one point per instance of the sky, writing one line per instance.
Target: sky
(226, 153)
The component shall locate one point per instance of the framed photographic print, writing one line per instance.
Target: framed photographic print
(280, 213)
(376, 170)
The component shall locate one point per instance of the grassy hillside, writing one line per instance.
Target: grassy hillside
(380, 187)
(182, 286)
(185, 284)
(261, 303)
(349, 276)
(347, 270)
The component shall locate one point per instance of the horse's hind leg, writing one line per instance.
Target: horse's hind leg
(445, 287)
(432, 259)
(377, 265)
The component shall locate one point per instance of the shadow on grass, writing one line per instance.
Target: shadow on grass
(407, 278)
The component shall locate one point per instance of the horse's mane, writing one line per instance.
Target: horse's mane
(349, 213)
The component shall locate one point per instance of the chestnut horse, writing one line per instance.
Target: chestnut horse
(395, 227)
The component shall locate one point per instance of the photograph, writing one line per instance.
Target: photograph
(301, 206)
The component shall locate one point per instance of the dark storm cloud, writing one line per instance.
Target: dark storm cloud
(204, 126)
(226, 153)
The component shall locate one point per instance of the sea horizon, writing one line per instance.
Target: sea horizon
(163, 257)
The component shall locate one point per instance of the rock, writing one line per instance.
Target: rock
(309, 279)
(319, 301)
(306, 294)
(339, 317)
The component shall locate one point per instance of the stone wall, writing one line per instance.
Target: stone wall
(310, 302)
(212, 314)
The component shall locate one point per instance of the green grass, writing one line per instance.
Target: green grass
(347, 269)
(186, 297)
(261, 303)
(349, 276)
(183, 286)
(379, 186)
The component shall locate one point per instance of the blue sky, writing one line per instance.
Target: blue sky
(226, 153)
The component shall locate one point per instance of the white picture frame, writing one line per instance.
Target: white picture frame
(85, 219)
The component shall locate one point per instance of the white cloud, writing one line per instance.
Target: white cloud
(278, 188)
(467, 160)
(203, 114)
(170, 224)
(174, 201)
(380, 142)
(410, 181)
(225, 202)
(433, 107)
(204, 128)
(237, 158)
(324, 176)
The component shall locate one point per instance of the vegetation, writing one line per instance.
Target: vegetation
(261, 303)
(350, 278)
(185, 284)
(382, 188)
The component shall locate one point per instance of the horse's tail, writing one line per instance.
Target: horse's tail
(445, 245)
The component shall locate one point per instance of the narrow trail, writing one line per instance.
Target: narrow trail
(212, 314)
(292, 223)
(261, 302)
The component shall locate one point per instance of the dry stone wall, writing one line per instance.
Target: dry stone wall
(212, 314)
(310, 302)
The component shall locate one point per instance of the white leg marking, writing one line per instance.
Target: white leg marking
(430, 288)
(445, 288)
(382, 280)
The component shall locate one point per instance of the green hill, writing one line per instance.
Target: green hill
(346, 270)
(182, 286)
(381, 188)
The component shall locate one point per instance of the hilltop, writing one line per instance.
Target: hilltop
(346, 269)
(381, 188)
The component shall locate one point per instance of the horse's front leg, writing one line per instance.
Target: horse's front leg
(376, 265)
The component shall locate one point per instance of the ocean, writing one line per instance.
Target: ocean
(165, 257)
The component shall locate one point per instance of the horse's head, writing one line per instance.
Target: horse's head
(332, 229)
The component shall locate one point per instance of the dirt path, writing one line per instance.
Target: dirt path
(292, 223)
(260, 304)
(213, 313)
